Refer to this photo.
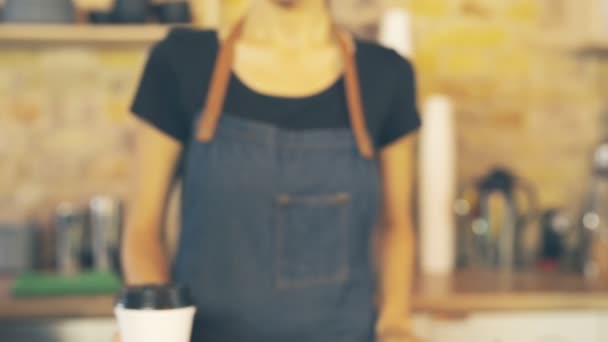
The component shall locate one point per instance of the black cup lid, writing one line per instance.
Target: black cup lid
(155, 297)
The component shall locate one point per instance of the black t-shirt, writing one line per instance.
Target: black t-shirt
(174, 85)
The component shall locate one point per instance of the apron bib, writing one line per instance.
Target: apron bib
(277, 225)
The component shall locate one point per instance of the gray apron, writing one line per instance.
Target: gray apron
(277, 225)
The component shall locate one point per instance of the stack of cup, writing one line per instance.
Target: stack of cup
(395, 31)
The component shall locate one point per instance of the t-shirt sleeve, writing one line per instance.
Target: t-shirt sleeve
(157, 97)
(402, 117)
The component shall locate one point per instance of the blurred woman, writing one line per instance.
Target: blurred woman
(294, 144)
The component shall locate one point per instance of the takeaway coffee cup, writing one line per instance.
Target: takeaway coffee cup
(158, 313)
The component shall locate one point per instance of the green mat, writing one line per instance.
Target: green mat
(44, 284)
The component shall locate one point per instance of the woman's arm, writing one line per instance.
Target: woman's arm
(144, 257)
(395, 241)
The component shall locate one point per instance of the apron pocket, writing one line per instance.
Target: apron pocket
(312, 240)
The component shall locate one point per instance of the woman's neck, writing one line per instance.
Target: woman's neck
(289, 24)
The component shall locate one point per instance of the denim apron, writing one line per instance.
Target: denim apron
(277, 225)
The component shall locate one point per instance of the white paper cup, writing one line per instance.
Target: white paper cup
(170, 325)
(155, 314)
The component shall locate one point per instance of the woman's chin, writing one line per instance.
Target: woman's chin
(287, 3)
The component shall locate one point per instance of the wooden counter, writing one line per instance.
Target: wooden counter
(470, 292)
(458, 295)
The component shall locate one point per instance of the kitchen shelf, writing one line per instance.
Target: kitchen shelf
(81, 34)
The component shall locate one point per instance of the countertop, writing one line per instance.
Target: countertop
(475, 291)
(454, 295)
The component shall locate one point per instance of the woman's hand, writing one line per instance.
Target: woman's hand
(116, 338)
(395, 239)
(395, 243)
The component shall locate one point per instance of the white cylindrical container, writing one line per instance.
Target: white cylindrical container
(206, 13)
(155, 314)
(592, 17)
(604, 18)
(437, 180)
(395, 31)
(149, 325)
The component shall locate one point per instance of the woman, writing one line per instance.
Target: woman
(303, 132)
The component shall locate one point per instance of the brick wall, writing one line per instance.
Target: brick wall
(521, 102)
(64, 128)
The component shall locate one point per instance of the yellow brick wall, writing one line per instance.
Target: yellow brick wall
(520, 102)
(64, 124)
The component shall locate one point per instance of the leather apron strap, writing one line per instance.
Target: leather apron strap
(221, 76)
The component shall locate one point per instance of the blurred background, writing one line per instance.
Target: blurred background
(512, 197)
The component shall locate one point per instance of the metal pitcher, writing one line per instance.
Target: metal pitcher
(491, 219)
